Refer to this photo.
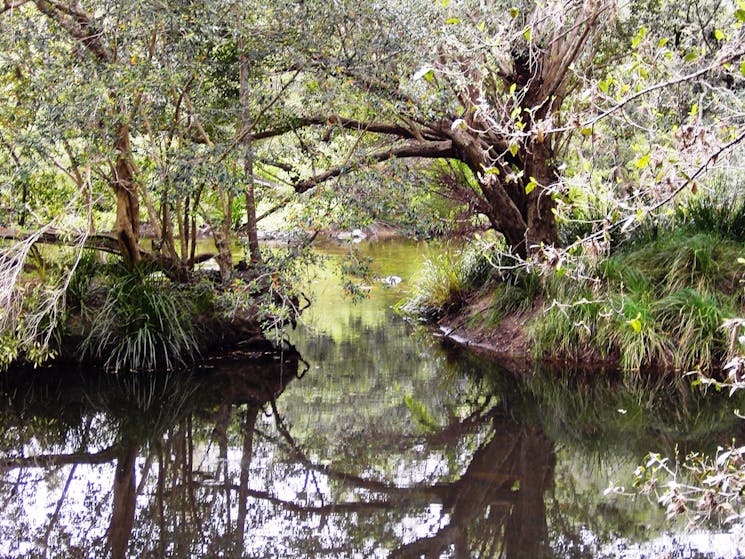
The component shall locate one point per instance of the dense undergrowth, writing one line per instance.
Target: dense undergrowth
(655, 300)
(142, 320)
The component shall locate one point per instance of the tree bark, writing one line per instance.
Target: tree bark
(542, 229)
(127, 226)
(248, 160)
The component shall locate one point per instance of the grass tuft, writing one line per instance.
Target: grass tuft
(144, 323)
(447, 279)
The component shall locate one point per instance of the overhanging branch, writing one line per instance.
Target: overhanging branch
(432, 150)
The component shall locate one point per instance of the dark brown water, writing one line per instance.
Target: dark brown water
(374, 441)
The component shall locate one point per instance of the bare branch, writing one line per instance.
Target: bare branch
(652, 88)
(435, 150)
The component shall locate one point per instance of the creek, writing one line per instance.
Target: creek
(373, 439)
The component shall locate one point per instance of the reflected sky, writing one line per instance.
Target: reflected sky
(370, 441)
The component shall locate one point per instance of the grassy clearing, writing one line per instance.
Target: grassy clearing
(657, 302)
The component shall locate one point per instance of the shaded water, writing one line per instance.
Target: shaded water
(374, 441)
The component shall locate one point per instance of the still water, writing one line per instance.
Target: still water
(372, 440)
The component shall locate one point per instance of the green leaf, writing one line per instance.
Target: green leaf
(718, 34)
(513, 149)
(530, 187)
(452, 21)
(662, 42)
(636, 41)
(643, 161)
(424, 72)
(528, 33)
(514, 12)
(636, 323)
(605, 84)
(691, 56)
(585, 131)
(742, 67)
(740, 14)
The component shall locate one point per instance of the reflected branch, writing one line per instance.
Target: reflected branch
(58, 508)
(354, 506)
(46, 460)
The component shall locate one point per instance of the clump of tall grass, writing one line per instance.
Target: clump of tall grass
(695, 322)
(448, 278)
(703, 261)
(573, 327)
(659, 304)
(720, 211)
(144, 323)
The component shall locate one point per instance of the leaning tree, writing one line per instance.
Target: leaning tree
(511, 92)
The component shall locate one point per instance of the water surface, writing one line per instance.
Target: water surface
(371, 441)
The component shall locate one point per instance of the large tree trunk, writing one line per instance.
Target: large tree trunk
(542, 228)
(526, 220)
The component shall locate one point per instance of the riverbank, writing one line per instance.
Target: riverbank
(656, 304)
(509, 341)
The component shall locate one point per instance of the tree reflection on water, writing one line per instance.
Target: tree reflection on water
(219, 462)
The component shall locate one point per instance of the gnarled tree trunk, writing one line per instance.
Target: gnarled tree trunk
(127, 226)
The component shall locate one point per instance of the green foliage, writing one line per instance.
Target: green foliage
(695, 322)
(8, 350)
(448, 278)
(636, 332)
(79, 285)
(576, 329)
(420, 414)
(659, 304)
(704, 261)
(143, 323)
(721, 211)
